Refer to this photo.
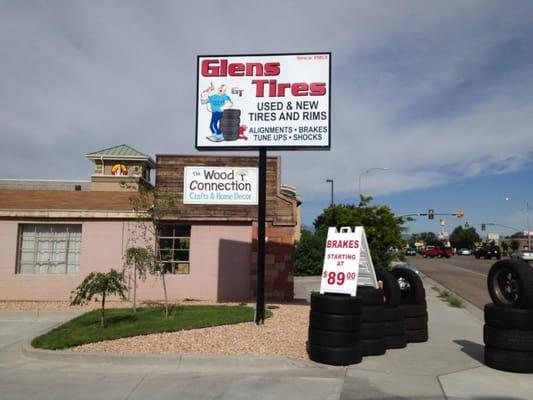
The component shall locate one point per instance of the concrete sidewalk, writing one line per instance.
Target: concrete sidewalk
(448, 366)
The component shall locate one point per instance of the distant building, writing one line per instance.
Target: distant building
(55, 232)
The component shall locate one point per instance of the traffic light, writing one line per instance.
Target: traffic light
(460, 214)
(430, 213)
(442, 222)
(483, 227)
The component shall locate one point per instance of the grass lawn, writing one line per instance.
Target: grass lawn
(123, 322)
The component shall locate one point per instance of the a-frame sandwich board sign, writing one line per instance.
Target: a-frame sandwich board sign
(347, 261)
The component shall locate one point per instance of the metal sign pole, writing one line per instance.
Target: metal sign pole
(260, 302)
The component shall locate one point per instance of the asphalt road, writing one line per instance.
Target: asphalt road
(464, 275)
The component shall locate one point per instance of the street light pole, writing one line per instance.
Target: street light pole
(331, 181)
(366, 171)
(528, 221)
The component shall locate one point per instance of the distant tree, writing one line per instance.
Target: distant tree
(517, 235)
(426, 237)
(99, 283)
(464, 237)
(309, 255)
(383, 229)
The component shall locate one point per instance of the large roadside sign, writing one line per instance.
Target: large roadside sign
(347, 261)
(271, 101)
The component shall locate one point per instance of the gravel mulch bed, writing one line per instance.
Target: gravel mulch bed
(283, 334)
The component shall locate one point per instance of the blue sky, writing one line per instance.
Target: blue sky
(441, 93)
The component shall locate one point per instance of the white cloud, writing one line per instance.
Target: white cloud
(425, 88)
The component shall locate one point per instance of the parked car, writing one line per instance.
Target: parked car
(524, 254)
(487, 252)
(464, 252)
(411, 251)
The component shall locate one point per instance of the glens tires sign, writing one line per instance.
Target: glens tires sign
(220, 185)
(279, 101)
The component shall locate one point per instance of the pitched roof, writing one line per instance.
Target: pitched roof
(13, 199)
(122, 150)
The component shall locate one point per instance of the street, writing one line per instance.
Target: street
(464, 275)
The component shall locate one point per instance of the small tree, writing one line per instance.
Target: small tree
(139, 259)
(152, 206)
(99, 283)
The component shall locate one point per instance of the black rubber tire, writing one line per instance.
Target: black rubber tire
(392, 314)
(508, 339)
(335, 355)
(230, 131)
(395, 342)
(332, 338)
(335, 303)
(372, 313)
(370, 296)
(372, 347)
(414, 292)
(414, 310)
(231, 113)
(394, 328)
(391, 290)
(335, 322)
(417, 335)
(508, 318)
(510, 284)
(506, 360)
(230, 122)
(372, 330)
(415, 323)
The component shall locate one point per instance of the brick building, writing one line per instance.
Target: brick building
(54, 233)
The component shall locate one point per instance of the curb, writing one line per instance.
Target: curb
(170, 360)
(471, 308)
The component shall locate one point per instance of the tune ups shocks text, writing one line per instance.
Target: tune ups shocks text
(263, 87)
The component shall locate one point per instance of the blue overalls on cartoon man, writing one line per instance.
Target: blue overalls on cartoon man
(216, 104)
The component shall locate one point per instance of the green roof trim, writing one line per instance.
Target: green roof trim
(122, 150)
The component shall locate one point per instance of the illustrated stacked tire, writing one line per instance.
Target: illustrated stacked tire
(413, 304)
(230, 124)
(508, 330)
(393, 320)
(334, 329)
(372, 324)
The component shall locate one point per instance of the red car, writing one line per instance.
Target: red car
(438, 250)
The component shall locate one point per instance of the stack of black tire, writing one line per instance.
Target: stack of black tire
(230, 124)
(412, 304)
(334, 329)
(372, 322)
(508, 330)
(393, 320)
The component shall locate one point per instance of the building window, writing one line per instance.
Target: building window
(49, 249)
(174, 244)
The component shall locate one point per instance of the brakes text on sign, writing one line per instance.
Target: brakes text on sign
(341, 261)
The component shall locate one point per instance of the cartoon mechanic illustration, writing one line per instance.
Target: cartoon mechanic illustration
(216, 104)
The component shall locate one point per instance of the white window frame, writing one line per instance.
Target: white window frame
(69, 236)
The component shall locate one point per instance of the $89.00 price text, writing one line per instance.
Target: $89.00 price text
(338, 277)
